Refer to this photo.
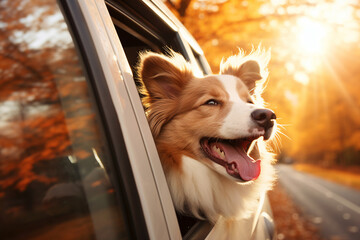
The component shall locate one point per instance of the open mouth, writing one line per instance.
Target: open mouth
(232, 155)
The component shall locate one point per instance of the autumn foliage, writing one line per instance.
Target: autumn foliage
(314, 70)
(45, 113)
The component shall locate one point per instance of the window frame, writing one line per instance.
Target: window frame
(111, 77)
(122, 177)
(179, 36)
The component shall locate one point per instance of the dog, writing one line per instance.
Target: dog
(210, 133)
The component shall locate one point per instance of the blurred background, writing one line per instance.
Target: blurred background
(313, 87)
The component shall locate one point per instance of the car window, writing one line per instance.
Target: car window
(138, 34)
(54, 159)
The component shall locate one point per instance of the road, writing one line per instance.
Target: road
(333, 208)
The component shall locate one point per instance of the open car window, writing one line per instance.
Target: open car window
(148, 32)
(142, 30)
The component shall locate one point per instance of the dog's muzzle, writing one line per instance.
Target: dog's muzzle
(264, 118)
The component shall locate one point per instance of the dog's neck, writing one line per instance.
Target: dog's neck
(199, 189)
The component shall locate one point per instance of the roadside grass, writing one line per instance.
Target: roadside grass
(289, 222)
(349, 176)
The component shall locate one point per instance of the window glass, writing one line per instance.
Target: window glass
(53, 158)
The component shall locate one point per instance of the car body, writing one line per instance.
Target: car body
(82, 162)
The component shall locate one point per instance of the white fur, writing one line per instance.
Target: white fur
(200, 186)
(226, 229)
(212, 193)
(238, 122)
(230, 82)
(215, 195)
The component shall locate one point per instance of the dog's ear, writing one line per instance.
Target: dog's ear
(163, 77)
(249, 69)
(248, 72)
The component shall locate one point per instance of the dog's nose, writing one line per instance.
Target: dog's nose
(263, 117)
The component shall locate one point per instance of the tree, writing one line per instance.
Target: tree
(181, 7)
(313, 70)
(45, 111)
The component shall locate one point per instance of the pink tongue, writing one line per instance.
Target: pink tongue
(248, 168)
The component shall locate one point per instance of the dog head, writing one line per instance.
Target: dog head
(214, 119)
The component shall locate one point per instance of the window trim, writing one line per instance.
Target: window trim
(134, 20)
(122, 178)
(204, 228)
(158, 176)
(91, 21)
(187, 50)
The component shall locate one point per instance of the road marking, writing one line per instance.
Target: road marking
(330, 194)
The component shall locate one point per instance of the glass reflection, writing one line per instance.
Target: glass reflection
(53, 182)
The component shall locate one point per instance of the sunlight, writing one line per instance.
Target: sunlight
(311, 37)
(301, 77)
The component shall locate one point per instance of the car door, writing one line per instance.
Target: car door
(73, 160)
(149, 26)
(139, 27)
(78, 160)
(64, 166)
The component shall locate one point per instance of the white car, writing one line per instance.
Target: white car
(77, 158)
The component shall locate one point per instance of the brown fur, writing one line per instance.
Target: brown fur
(175, 102)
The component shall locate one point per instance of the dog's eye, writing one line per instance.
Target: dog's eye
(250, 101)
(212, 102)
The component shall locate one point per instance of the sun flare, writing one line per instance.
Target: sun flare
(311, 37)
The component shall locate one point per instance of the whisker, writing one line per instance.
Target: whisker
(283, 134)
(283, 126)
(277, 142)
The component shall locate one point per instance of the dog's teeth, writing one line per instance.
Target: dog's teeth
(214, 147)
(222, 154)
(218, 151)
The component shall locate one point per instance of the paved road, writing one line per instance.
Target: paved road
(334, 208)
